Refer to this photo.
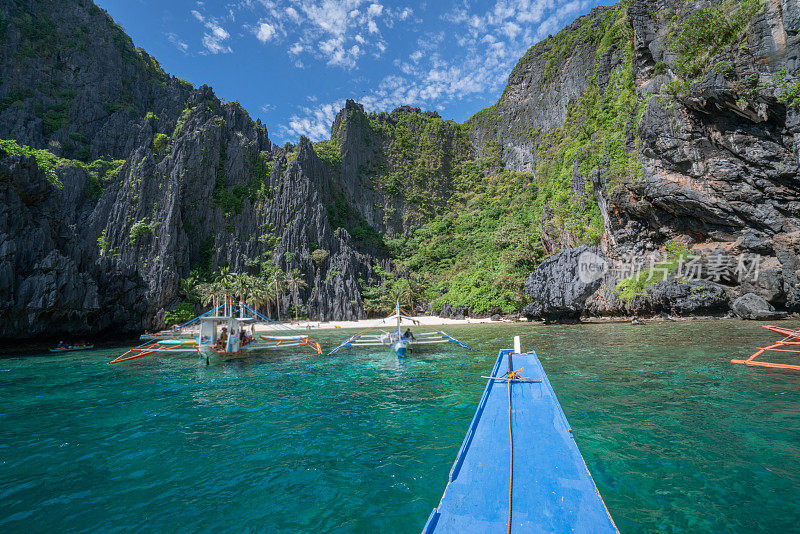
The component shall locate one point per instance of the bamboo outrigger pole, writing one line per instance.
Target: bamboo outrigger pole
(791, 340)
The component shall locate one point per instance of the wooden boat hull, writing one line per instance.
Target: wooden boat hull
(551, 489)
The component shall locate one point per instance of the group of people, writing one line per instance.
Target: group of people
(246, 337)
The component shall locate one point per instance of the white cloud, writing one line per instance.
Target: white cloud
(511, 30)
(214, 39)
(177, 42)
(293, 14)
(265, 32)
(488, 45)
(313, 123)
(338, 32)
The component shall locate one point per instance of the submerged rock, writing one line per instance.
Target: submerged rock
(754, 307)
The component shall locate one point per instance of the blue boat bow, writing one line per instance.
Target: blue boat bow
(551, 489)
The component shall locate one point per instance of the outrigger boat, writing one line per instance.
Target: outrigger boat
(72, 348)
(397, 340)
(223, 333)
(542, 484)
(789, 343)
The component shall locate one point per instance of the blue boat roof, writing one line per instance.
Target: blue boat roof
(553, 490)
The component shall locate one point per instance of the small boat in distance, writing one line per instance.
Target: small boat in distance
(519, 468)
(69, 348)
(400, 342)
(223, 333)
(789, 343)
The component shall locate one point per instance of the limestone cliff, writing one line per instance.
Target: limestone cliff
(679, 122)
(184, 181)
(638, 127)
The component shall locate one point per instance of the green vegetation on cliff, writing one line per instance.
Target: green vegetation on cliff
(99, 173)
(500, 224)
(46, 160)
(478, 253)
(700, 36)
(421, 157)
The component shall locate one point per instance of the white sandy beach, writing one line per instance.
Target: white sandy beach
(422, 320)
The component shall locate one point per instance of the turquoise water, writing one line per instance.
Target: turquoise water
(676, 437)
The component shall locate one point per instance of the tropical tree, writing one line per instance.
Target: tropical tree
(259, 293)
(241, 285)
(205, 293)
(400, 290)
(188, 287)
(295, 282)
(225, 280)
(277, 280)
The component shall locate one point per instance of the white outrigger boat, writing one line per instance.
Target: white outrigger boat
(400, 342)
(224, 333)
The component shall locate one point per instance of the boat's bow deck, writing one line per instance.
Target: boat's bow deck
(552, 488)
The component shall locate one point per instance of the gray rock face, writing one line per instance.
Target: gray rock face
(106, 253)
(556, 288)
(369, 151)
(538, 95)
(47, 285)
(751, 306)
(686, 298)
(454, 312)
(202, 186)
(74, 82)
(719, 162)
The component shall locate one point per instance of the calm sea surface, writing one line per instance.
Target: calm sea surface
(676, 437)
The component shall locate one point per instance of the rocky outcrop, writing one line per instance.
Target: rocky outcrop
(200, 187)
(73, 82)
(559, 287)
(396, 168)
(683, 297)
(751, 306)
(160, 179)
(47, 285)
(547, 80)
(717, 158)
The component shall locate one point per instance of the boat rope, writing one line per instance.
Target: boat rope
(511, 377)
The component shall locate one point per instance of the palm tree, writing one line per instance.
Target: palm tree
(225, 278)
(188, 286)
(278, 281)
(400, 290)
(295, 282)
(206, 293)
(258, 295)
(241, 285)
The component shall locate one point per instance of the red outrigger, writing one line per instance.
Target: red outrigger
(789, 343)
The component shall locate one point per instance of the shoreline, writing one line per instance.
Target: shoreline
(15, 347)
(433, 320)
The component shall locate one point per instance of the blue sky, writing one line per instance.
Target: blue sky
(293, 63)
